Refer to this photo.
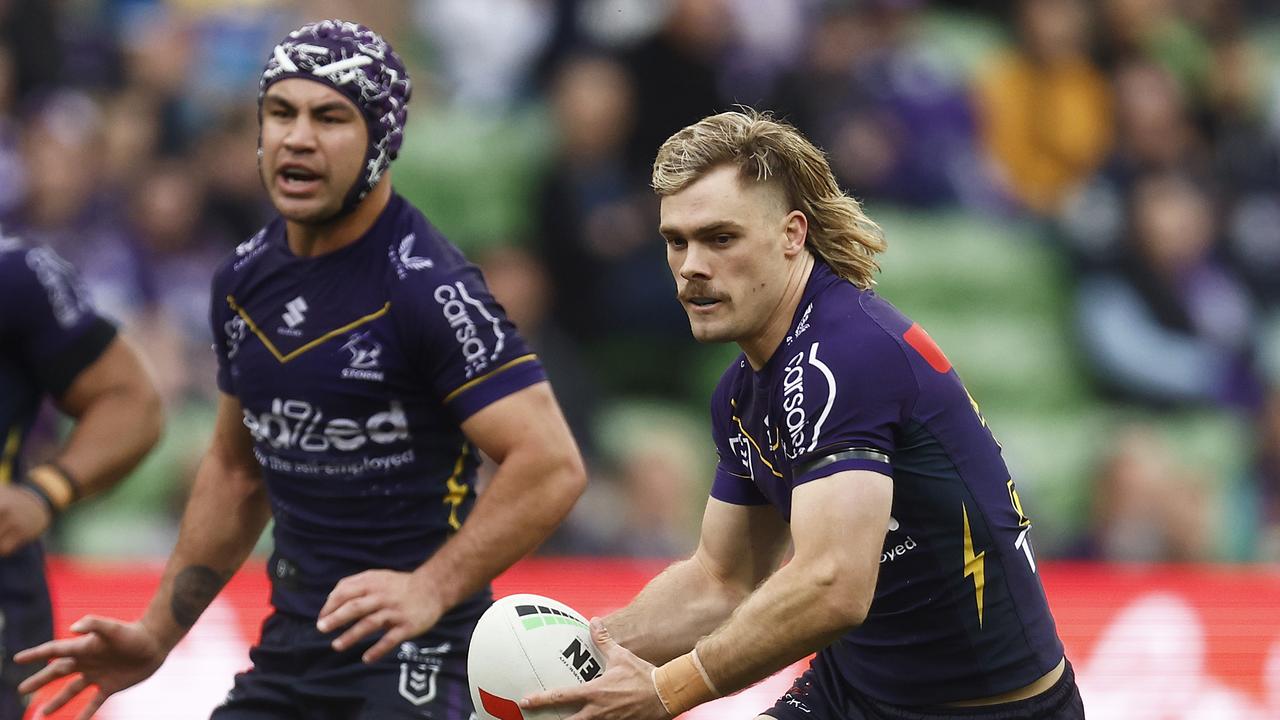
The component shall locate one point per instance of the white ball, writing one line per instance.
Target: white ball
(525, 644)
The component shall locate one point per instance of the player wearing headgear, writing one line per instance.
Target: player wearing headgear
(844, 433)
(363, 365)
(54, 344)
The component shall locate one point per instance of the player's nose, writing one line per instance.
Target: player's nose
(695, 262)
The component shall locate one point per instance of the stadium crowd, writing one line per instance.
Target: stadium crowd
(1128, 149)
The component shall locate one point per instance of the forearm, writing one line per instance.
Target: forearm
(528, 496)
(648, 627)
(110, 438)
(223, 521)
(798, 611)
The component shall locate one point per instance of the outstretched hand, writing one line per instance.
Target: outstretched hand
(378, 600)
(106, 653)
(624, 692)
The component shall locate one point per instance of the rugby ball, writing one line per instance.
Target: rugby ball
(525, 644)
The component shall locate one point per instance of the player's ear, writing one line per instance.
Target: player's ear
(796, 230)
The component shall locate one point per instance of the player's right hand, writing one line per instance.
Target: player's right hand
(22, 518)
(106, 653)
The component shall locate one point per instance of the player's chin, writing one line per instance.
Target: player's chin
(706, 331)
(308, 211)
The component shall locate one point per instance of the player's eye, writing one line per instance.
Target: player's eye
(676, 243)
(724, 239)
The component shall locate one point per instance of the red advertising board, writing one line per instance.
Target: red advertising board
(1148, 643)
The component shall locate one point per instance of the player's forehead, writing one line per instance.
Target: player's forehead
(304, 93)
(718, 195)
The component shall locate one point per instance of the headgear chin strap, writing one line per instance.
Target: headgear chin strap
(358, 63)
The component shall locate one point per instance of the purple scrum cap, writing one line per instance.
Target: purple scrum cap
(358, 63)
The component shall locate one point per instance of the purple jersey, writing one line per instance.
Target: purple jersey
(959, 611)
(49, 333)
(355, 370)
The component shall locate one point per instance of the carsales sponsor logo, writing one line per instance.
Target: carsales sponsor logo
(298, 424)
(457, 304)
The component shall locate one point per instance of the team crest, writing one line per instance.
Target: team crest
(364, 352)
(418, 670)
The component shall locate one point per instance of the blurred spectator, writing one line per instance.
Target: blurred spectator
(235, 206)
(1154, 134)
(896, 125)
(597, 219)
(1045, 107)
(520, 283)
(675, 75)
(67, 208)
(1170, 325)
(11, 172)
(1146, 507)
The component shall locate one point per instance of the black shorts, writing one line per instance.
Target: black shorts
(296, 675)
(817, 695)
(26, 620)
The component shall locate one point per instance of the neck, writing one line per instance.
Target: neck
(312, 239)
(761, 346)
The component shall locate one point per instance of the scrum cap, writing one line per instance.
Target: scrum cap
(358, 63)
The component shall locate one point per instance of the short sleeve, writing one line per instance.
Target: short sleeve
(229, 332)
(732, 482)
(45, 307)
(461, 338)
(843, 402)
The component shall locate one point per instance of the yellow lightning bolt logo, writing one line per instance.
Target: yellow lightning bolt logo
(973, 564)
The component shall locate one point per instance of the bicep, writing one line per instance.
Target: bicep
(119, 369)
(741, 545)
(231, 446)
(528, 418)
(841, 520)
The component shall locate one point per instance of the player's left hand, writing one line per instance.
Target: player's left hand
(379, 600)
(624, 692)
(22, 518)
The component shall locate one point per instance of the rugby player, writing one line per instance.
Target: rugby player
(843, 432)
(53, 343)
(363, 365)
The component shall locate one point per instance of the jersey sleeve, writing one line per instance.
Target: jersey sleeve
(46, 309)
(733, 483)
(460, 337)
(229, 331)
(843, 402)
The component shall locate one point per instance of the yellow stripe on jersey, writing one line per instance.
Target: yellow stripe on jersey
(457, 490)
(974, 564)
(9, 455)
(755, 445)
(476, 381)
(284, 358)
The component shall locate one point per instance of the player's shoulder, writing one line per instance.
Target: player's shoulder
(24, 264)
(417, 252)
(247, 257)
(846, 320)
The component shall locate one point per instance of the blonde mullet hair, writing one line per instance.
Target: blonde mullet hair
(769, 150)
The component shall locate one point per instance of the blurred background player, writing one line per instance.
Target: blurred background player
(363, 366)
(54, 344)
(844, 433)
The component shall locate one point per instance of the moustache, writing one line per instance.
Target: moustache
(698, 290)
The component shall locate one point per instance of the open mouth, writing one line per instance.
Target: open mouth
(297, 180)
(703, 303)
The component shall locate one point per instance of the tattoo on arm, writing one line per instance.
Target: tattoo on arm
(193, 589)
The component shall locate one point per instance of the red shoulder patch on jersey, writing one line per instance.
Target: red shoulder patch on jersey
(917, 338)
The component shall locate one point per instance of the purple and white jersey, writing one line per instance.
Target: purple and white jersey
(49, 334)
(355, 370)
(959, 611)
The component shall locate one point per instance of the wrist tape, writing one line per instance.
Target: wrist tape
(683, 683)
(54, 486)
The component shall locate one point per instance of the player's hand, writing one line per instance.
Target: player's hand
(107, 653)
(624, 692)
(379, 600)
(22, 518)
